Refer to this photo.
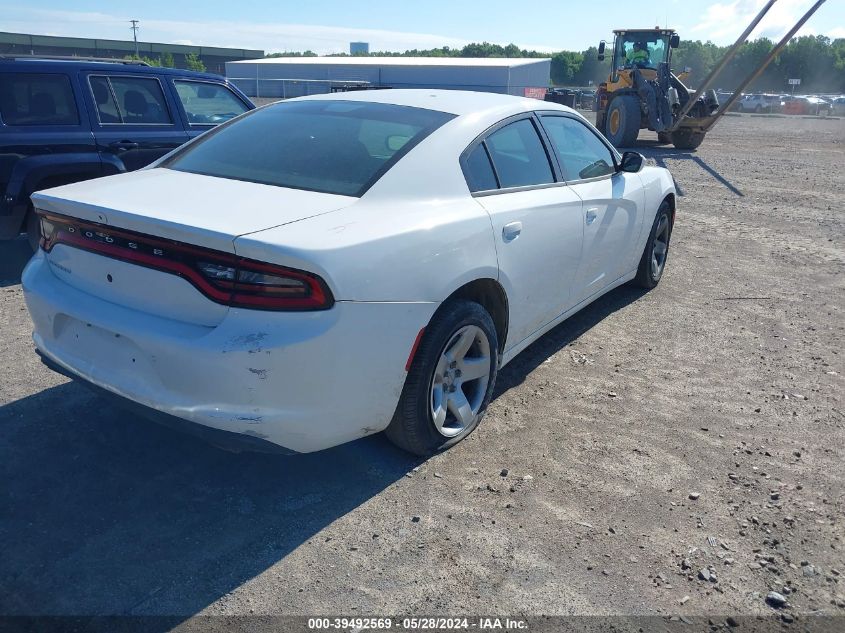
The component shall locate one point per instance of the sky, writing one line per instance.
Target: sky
(327, 26)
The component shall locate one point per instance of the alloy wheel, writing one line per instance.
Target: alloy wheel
(660, 247)
(460, 381)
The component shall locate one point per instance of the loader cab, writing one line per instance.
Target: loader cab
(644, 49)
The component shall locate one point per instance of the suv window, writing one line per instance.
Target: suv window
(580, 152)
(519, 156)
(37, 99)
(129, 100)
(207, 103)
(340, 147)
(479, 171)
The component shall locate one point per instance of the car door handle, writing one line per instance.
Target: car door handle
(591, 215)
(123, 145)
(511, 231)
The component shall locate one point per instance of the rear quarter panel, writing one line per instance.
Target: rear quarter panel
(658, 184)
(407, 250)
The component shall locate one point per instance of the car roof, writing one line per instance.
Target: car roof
(36, 64)
(458, 102)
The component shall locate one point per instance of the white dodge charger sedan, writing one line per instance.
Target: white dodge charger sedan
(329, 267)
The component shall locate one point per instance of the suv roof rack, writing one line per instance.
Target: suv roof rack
(73, 58)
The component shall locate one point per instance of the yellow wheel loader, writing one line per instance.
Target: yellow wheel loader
(643, 93)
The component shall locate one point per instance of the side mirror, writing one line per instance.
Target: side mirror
(632, 162)
(675, 41)
(602, 46)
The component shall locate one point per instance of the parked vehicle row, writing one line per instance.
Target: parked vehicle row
(63, 121)
(786, 104)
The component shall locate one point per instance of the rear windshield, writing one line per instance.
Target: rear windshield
(340, 147)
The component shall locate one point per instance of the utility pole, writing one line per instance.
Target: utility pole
(135, 28)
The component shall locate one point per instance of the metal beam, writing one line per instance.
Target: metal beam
(759, 71)
(722, 63)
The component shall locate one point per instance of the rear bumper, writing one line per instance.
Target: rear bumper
(223, 439)
(304, 381)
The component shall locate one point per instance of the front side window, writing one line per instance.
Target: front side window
(129, 100)
(340, 147)
(580, 152)
(37, 99)
(641, 50)
(207, 103)
(519, 156)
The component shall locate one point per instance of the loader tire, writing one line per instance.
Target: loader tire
(622, 121)
(683, 139)
(664, 138)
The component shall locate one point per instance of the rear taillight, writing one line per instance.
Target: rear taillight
(222, 277)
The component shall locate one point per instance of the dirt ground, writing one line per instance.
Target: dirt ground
(680, 451)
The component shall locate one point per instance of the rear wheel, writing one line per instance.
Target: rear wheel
(622, 122)
(33, 229)
(450, 381)
(653, 260)
(685, 139)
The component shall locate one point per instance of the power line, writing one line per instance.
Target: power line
(135, 28)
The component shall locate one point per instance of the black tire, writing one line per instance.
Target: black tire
(412, 427)
(623, 114)
(33, 229)
(683, 139)
(647, 276)
(664, 138)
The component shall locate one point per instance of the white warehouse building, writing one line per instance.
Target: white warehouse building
(284, 77)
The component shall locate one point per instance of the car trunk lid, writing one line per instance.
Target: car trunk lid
(136, 239)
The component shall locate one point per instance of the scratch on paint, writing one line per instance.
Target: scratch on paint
(250, 418)
(261, 373)
(248, 342)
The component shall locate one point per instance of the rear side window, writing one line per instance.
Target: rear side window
(207, 103)
(478, 170)
(37, 99)
(129, 100)
(519, 156)
(340, 147)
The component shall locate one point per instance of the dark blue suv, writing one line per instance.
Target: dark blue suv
(63, 121)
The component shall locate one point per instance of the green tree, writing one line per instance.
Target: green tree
(699, 58)
(166, 60)
(592, 70)
(149, 61)
(308, 53)
(837, 51)
(565, 66)
(811, 59)
(193, 62)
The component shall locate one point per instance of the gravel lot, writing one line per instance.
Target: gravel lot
(647, 444)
